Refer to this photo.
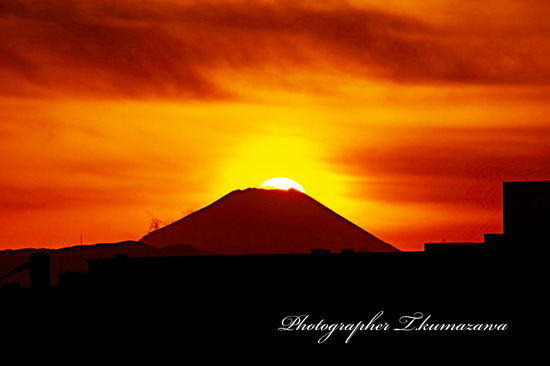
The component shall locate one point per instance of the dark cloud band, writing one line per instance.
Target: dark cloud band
(168, 49)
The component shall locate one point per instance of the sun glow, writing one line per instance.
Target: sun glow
(282, 183)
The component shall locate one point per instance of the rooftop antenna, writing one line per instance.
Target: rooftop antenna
(81, 255)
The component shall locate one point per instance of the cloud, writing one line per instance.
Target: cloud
(69, 47)
(463, 167)
(184, 49)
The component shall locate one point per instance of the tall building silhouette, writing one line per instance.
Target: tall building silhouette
(526, 211)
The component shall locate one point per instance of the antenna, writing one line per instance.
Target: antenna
(81, 255)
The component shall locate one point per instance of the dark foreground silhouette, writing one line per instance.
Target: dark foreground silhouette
(459, 297)
(282, 301)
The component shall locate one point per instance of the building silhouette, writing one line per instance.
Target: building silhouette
(526, 211)
(526, 221)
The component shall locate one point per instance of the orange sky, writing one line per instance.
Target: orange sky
(404, 117)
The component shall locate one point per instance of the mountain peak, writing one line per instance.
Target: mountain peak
(266, 221)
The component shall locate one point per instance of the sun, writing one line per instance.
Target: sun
(282, 183)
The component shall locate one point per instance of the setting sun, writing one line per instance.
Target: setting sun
(282, 183)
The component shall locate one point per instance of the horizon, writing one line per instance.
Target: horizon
(160, 225)
(403, 118)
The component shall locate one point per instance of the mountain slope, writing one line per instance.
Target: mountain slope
(259, 221)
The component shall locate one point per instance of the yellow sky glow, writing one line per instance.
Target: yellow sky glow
(403, 117)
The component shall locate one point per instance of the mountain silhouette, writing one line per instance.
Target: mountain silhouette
(260, 221)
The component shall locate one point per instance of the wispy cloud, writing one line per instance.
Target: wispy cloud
(181, 49)
(447, 169)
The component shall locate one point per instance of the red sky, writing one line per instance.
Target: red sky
(404, 117)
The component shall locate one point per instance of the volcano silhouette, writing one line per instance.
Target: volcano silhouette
(261, 221)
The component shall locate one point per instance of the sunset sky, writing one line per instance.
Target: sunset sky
(405, 117)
